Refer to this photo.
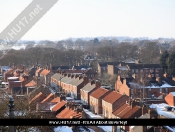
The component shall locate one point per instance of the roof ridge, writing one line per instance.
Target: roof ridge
(123, 110)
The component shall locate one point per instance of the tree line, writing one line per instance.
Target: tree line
(104, 50)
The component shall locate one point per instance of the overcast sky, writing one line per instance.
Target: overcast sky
(93, 18)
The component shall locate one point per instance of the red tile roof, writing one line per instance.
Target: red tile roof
(57, 99)
(36, 97)
(69, 113)
(112, 97)
(77, 116)
(47, 98)
(120, 109)
(130, 113)
(45, 72)
(98, 93)
(38, 70)
(58, 106)
(63, 113)
(31, 84)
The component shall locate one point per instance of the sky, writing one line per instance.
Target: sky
(94, 18)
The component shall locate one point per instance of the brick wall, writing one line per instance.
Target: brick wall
(110, 69)
(170, 99)
(118, 83)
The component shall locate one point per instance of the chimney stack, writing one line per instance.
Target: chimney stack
(80, 77)
(50, 67)
(173, 78)
(97, 84)
(124, 81)
(92, 82)
(165, 74)
(158, 79)
(118, 78)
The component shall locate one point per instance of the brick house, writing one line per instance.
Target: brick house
(38, 71)
(55, 80)
(127, 111)
(8, 73)
(66, 83)
(128, 69)
(154, 86)
(78, 85)
(170, 98)
(71, 111)
(46, 76)
(96, 100)
(102, 67)
(154, 69)
(87, 90)
(122, 86)
(16, 85)
(107, 67)
(91, 74)
(112, 101)
(30, 86)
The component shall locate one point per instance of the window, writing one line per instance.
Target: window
(132, 70)
(106, 113)
(151, 70)
(160, 90)
(136, 70)
(157, 70)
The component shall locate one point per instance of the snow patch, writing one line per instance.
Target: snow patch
(160, 108)
(106, 128)
(63, 129)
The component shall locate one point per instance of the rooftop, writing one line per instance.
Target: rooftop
(88, 87)
(91, 115)
(59, 105)
(99, 93)
(57, 99)
(160, 108)
(112, 97)
(13, 78)
(47, 98)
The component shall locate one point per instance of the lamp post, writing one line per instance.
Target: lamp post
(11, 113)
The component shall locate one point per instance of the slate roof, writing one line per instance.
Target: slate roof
(142, 66)
(63, 67)
(90, 72)
(57, 76)
(88, 87)
(104, 64)
(78, 82)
